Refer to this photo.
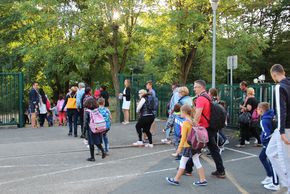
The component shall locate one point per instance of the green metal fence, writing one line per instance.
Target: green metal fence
(231, 95)
(11, 99)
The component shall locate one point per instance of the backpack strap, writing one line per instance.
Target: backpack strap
(180, 100)
(203, 94)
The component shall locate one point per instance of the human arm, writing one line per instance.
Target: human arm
(140, 105)
(64, 104)
(185, 128)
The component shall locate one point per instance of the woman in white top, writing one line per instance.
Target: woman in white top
(126, 101)
(42, 107)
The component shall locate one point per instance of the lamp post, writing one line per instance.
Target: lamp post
(214, 6)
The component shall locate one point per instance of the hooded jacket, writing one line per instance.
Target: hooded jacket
(282, 102)
(266, 125)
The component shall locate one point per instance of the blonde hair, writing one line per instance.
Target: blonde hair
(251, 91)
(183, 91)
(186, 109)
(101, 101)
(265, 106)
(143, 92)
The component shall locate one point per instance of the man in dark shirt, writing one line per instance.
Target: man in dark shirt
(105, 95)
(278, 150)
(33, 103)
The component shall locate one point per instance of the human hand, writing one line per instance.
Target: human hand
(178, 151)
(284, 139)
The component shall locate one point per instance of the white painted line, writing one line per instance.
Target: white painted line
(81, 167)
(110, 178)
(238, 159)
(241, 152)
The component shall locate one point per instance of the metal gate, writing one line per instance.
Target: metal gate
(11, 99)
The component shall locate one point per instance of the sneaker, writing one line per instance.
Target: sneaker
(247, 142)
(256, 141)
(149, 145)
(82, 136)
(226, 142)
(240, 146)
(267, 180)
(69, 134)
(166, 141)
(198, 183)
(174, 155)
(172, 181)
(219, 174)
(85, 142)
(272, 187)
(125, 122)
(91, 159)
(138, 143)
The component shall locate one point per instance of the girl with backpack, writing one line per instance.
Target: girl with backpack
(61, 114)
(42, 107)
(187, 151)
(145, 109)
(93, 137)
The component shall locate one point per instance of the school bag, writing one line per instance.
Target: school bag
(71, 102)
(151, 103)
(59, 105)
(197, 137)
(97, 121)
(218, 114)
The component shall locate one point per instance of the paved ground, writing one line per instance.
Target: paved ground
(46, 160)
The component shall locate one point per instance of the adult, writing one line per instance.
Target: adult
(278, 150)
(244, 87)
(105, 95)
(150, 90)
(33, 103)
(246, 129)
(146, 118)
(201, 118)
(80, 108)
(174, 97)
(184, 97)
(72, 112)
(42, 107)
(126, 101)
(87, 95)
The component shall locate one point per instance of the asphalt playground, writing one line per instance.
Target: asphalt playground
(46, 160)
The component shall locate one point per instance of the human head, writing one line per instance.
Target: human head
(174, 85)
(103, 88)
(91, 103)
(88, 90)
(81, 85)
(250, 92)
(127, 83)
(101, 101)
(244, 86)
(183, 91)
(277, 72)
(74, 89)
(263, 107)
(142, 93)
(177, 107)
(35, 85)
(149, 85)
(60, 97)
(185, 110)
(213, 92)
(199, 86)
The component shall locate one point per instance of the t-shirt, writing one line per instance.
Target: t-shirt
(186, 128)
(253, 102)
(202, 102)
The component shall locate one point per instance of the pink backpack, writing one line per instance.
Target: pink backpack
(59, 105)
(255, 115)
(197, 138)
(97, 121)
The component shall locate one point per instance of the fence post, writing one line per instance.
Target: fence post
(20, 94)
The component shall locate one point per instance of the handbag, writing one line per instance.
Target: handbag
(245, 118)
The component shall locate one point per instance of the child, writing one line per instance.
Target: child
(93, 138)
(187, 152)
(61, 114)
(271, 181)
(107, 116)
(170, 123)
(49, 118)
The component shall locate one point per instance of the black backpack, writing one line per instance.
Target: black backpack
(150, 103)
(218, 115)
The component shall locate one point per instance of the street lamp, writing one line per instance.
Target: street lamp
(214, 6)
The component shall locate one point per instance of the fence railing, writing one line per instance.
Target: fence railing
(11, 99)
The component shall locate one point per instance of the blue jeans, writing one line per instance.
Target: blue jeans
(73, 120)
(266, 163)
(106, 142)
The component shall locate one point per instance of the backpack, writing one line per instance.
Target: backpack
(197, 137)
(178, 126)
(151, 103)
(255, 115)
(71, 102)
(218, 115)
(97, 121)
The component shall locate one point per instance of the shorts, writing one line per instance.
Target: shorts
(126, 105)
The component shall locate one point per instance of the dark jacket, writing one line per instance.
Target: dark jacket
(127, 94)
(105, 95)
(282, 102)
(33, 97)
(146, 110)
(267, 127)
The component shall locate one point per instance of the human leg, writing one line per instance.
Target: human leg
(100, 147)
(264, 160)
(148, 120)
(70, 121)
(199, 168)
(75, 118)
(215, 153)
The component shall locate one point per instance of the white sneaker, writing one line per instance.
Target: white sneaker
(226, 142)
(272, 187)
(166, 141)
(138, 143)
(125, 122)
(149, 145)
(247, 142)
(85, 142)
(267, 180)
(256, 141)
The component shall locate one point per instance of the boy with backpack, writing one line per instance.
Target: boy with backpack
(271, 181)
(107, 116)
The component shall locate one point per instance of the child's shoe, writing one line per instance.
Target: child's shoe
(172, 181)
(199, 183)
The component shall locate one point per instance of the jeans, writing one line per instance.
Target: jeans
(81, 116)
(215, 153)
(266, 163)
(72, 120)
(106, 141)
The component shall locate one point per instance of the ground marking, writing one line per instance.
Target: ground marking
(241, 152)
(238, 159)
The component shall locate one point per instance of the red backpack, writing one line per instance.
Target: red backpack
(197, 137)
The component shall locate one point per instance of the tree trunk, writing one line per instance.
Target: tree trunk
(185, 64)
